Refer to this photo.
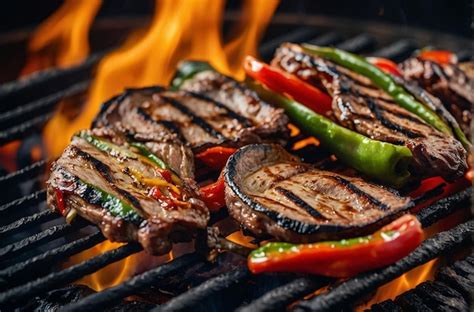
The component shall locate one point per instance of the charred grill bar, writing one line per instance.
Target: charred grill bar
(25, 228)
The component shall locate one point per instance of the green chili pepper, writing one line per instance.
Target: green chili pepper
(148, 154)
(384, 81)
(187, 70)
(108, 147)
(383, 161)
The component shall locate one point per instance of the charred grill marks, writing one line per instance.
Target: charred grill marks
(171, 126)
(105, 172)
(242, 120)
(299, 202)
(194, 118)
(354, 189)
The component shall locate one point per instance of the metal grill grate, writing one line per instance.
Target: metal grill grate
(33, 238)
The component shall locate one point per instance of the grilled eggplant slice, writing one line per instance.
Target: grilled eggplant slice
(362, 107)
(126, 192)
(271, 192)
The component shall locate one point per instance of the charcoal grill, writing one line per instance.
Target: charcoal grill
(36, 241)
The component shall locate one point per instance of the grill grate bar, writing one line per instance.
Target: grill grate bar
(23, 129)
(41, 106)
(47, 235)
(354, 288)
(31, 199)
(21, 224)
(397, 51)
(20, 92)
(28, 172)
(23, 271)
(16, 295)
(298, 35)
(284, 295)
(357, 44)
(112, 295)
(208, 289)
(327, 39)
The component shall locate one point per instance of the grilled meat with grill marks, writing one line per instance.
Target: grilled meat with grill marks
(212, 110)
(362, 107)
(112, 184)
(452, 83)
(271, 192)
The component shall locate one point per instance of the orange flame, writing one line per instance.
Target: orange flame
(62, 40)
(402, 284)
(179, 30)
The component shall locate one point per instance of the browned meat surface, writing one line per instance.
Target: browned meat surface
(449, 82)
(214, 110)
(130, 178)
(362, 107)
(269, 191)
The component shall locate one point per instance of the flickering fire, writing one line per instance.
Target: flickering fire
(62, 40)
(179, 30)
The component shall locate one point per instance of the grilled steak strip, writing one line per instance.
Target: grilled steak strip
(362, 107)
(270, 192)
(210, 110)
(155, 223)
(448, 82)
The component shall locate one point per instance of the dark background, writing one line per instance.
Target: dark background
(452, 16)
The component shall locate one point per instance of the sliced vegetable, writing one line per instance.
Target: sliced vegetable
(383, 161)
(60, 201)
(386, 65)
(382, 80)
(213, 194)
(107, 147)
(287, 84)
(216, 157)
(343, 258)
(157, 194)
(438, 56)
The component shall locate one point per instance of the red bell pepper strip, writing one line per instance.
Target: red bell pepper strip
(216, 157)
(213, 194)
(60, 201)
(156, 193)
(438, 56)
(284, 83)
(386, 65)
(341, 258)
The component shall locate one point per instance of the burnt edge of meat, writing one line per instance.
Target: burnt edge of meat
(302, 232)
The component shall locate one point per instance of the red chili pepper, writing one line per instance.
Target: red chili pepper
(60, 201)
(156, 193)
(166, 174)
(439, 56)
(213, 194)
(341, 258)
(386, 65)
(284, 83)
(216, 157)
(434, 182)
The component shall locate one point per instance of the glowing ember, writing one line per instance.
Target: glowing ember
(62, 40)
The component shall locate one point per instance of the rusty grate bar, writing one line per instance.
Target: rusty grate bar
(23, 271)
(112, 295)
(356, 287)
(15, 295)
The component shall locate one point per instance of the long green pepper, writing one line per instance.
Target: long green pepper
(379, 78)
(383, 161)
